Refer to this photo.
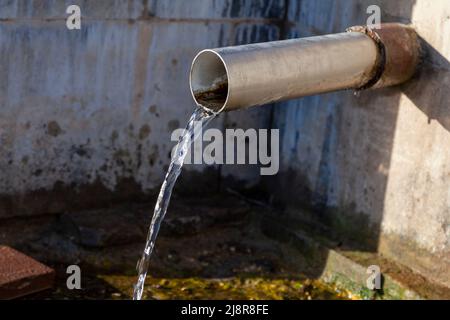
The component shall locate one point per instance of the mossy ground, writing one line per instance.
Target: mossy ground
(233, 289)
(119, 287)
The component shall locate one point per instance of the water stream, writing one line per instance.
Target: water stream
(202, 116)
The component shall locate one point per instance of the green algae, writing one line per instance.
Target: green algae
(235, 288)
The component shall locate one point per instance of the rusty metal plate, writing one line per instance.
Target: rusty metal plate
(21, 275)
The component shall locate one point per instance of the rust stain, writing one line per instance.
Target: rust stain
(399, 54)
(144, 132)
(54, 129)
(140, 68)
(215, 97)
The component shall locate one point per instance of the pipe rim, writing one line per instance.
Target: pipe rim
(191, 82)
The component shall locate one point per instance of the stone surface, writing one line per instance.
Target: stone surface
(112, 239)
(21, 275)
(102, 228)
(340, 265)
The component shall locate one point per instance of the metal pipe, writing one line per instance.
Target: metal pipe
(226, 79)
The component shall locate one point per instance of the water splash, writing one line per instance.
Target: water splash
(200, 115)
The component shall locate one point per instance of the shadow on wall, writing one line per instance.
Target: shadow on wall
(429, 89)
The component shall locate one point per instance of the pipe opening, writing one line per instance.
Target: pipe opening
(209, 81)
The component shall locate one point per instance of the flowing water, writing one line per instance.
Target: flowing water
(200, 115)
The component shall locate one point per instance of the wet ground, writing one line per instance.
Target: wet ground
(237, 288)
(207, 252)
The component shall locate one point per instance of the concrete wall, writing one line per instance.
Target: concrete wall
(376, 167)
(86, 116)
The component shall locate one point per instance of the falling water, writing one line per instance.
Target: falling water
(200, 115)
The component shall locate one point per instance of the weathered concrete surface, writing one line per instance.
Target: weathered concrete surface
(376, 166)
(347, 266)
(94, 109)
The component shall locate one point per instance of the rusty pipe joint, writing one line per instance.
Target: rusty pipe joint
(398, 51)
(226, 79)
